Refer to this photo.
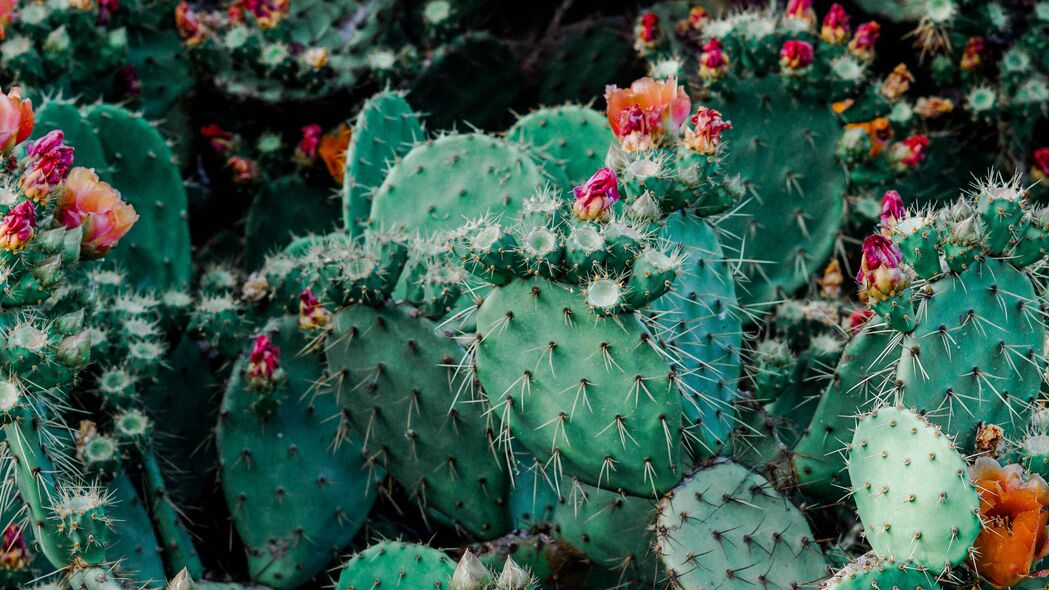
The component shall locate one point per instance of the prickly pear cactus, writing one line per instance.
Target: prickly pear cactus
(296, 485)
(394, 564)
(724, 523)
(915, 497)
(575, 137)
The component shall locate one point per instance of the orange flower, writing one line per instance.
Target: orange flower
(333, 150)
(96, 206)
(879, 130)
(897, 83)
(16, 119)
(1014, 533)
(7, 11)
(642, 114)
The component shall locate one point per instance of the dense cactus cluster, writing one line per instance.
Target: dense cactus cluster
(480, 296)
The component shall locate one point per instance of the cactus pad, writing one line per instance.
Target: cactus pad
(576, 137)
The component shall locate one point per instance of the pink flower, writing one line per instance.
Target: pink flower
(1040, 164)
(14, 554)
(648, 32)
(862, 44)
(712, 62)
(892, 210)
(596, 197)
(909, 153)
(7, 12)
(268, 13)
(264, 372)
(972, 57)
(647, 111)
(47, 164)
(187, 21)
(705, 134)
(802, 10)
(312, 315)
(18, 226)
(311, 139)
(95, 206)
(16, 119)
(835, 29)
(796, 55)
(858, 318)
(880, 276)
(221, 140)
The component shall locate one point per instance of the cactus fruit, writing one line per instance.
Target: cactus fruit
(723, 523)
(293, 526)
(913, 491)
(394, 564)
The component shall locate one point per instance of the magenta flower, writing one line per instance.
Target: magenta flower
(835, 29)
(796, 55)
(862, 44)
(596, 197)
(712, 62)
(311, 139)
(705, 134)
(312, 315)
(909, 153)
(18, 226)
(264, 372)
(880, 276)
(892, 210)
(802, 10)
(47, 164)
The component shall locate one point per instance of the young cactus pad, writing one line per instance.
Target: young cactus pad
(297, 488)
(724, 523)
(915, 498)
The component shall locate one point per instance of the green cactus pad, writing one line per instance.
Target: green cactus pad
(913, 490)
(795, 186)
(724, 523)
(701, 319)
(156, 250)
(869, 572)
(442, 183)
(575, 137)
(397, 565)
(585, 394)
(974, 357)
(611, 528)
(399, 388)
(864, 372)
(385, 130)
(133, 541)
(78, 133)
(297, 488)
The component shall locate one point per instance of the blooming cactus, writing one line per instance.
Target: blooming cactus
(835, 29)
(712, 62)
(47, 164)
(18, 227)
(705, 134)
(594, 198)
(795, 55)
(96, 206)
(312, 315)
(892, 210)
(264, 372)
(16, 119)
(642, 115)
(862, 44)
(880, 276)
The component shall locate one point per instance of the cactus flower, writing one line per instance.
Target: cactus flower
(909, 153)
(47, 164)
(643, 114)
(705, 134)
(316, 57)
(16, 119)
(863, 40)
(1014, 515)
(897, 83)
(187, 21)
(878, 130)
(801, 10)
(880, 276)
(594, 198)
(312, 315)
(244, 170)
(858, 318)
(697, 15)
(268, 13)
(332, 150)
(14, 554)
(311, 139)
(7, 12)
(1040, 164)
(648, 29)
(18, 226)
(264, 372)
(933, 106)
(795, 55)
(220, 140)
(469, 574)
(892, 210)
(96, 206)
(972, 57)
(831, 281)
(712, 62)
(835, 29)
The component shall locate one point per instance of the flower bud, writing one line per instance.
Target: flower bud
(18, 226)
(47, 164)
(862, 44)
(594, 198)
(880, 276)
(264, 372)
(835, 29)
(705, 134)
(470, 574)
